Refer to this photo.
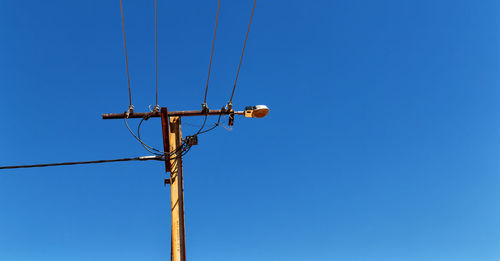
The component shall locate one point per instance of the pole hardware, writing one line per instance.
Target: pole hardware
(191, 140)
(204, 108)
(231, 118)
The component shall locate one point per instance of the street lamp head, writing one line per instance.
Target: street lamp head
(257, 111)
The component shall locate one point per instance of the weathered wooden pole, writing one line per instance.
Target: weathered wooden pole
(172, 147)
(174, 165)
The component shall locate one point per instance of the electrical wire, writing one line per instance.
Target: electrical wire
(147, 147)
(156, 52)
(138, 139)
(179, 152)
(212, 53)
(143, 158)
(201, 131)
(213, 127)
(202, 125)
(151, 149)
(242, 53)
(126, 58)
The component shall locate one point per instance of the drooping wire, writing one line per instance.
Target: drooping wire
(212, 53)
(213, 127)
(202, 125)
(201, 131)
(156, 53)
(126, 58)
(143, 158)
(179, 152)
(147, 147)
(241, 59)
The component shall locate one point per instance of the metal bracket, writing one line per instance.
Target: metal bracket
(231, 118)
(191, 140)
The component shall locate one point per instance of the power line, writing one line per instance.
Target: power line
(181, 150)
(213, 127)
(126, 59)
(153, 150)
(156, 52)
(241, 59)
(211, 55)
(143, 158)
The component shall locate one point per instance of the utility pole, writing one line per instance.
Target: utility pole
(177, 192)
(172, 142)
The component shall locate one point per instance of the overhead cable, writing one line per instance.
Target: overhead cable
(126, 60)
(241, 59)
(156, 55)
(143, 158)
(211, 55)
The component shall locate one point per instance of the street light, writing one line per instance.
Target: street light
(257, 111)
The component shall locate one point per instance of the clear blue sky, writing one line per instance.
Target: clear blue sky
(382, 142)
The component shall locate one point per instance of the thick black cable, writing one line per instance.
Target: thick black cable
(242, 53)
(212, 53)
(144, 158)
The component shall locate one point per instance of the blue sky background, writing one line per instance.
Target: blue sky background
(381, 143)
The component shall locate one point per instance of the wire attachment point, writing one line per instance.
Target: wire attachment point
(156, 108)
(204, 108)
(231, 118)
(130, 109)
(191, 140)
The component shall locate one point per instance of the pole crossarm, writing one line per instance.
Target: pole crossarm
(108, 116)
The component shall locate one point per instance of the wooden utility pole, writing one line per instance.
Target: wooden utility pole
(172, 146)
(172, 142)
(177, 191)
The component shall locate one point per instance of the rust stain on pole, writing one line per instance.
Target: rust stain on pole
(166, 136)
